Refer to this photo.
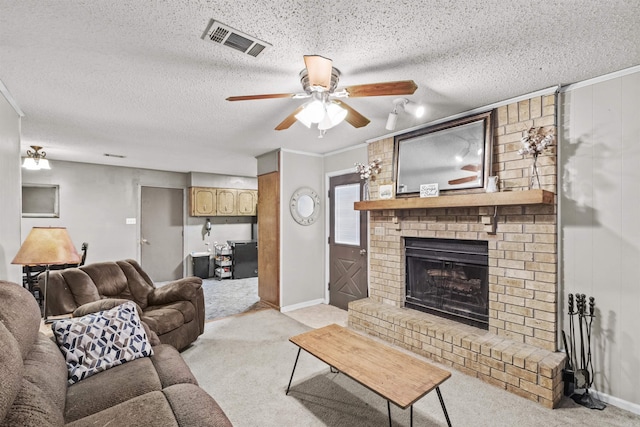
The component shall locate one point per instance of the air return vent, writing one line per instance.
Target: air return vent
(222, 34)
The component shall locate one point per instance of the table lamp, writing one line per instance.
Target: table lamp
(47, 246)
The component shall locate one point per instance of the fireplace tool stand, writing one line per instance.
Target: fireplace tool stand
(582, 377)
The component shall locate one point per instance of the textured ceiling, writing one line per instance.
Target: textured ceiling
(134, 78)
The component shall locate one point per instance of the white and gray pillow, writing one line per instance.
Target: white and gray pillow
(102, 340)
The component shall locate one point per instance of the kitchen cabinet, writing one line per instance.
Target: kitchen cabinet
(247, 202)
(202, 201)
(226, 200)
(210, 201)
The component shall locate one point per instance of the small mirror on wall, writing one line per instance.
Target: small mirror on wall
(40, 201)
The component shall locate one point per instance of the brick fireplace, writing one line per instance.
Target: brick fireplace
(518, 352)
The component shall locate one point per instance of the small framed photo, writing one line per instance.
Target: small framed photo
(429, 190)
(386, 191)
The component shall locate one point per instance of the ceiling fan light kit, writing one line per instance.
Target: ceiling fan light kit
(319, 80)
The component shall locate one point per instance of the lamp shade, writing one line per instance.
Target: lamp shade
(47, 246)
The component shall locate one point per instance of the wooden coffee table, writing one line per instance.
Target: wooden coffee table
(395, 376)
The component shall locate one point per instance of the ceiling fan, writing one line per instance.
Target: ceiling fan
(326, 109)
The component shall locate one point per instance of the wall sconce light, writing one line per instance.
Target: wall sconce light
(410, 107)
(35, 159)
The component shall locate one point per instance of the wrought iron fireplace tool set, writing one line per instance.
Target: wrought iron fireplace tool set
(580, 377)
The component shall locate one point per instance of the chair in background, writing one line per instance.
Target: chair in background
(31, 273)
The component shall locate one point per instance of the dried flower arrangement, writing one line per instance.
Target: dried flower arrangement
(536, 141)
(369, 171)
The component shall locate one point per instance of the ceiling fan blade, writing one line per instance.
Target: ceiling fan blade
(354, 118)
(472, 168)
(319, 70)
(463, 180)
(289, 120)
(402, 87)
(265, 96)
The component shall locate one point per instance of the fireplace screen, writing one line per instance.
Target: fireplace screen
(448, 278)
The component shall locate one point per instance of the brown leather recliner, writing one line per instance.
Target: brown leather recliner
(174, 311)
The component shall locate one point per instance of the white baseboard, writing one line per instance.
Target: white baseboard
(301, 305)
(615, 401)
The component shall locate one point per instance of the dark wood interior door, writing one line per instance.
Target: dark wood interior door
(269, 238)
(347, 242)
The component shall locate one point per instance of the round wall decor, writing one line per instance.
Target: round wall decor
(305, 206)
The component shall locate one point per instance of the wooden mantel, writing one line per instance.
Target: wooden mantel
(505, 198)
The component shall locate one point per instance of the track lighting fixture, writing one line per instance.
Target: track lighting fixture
(410, 107)
(35, 159)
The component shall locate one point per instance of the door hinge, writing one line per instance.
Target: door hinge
(329, 194)
(329, 240)
(329, 286)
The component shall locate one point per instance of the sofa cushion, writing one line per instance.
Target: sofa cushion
(109, 278)
(150, 409)
(166, 318)
(109, 388)
(99, 341)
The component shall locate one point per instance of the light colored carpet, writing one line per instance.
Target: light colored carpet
(227, 297)
(245, 362)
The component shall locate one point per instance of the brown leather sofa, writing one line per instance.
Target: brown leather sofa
(150, 391)
(174, 311)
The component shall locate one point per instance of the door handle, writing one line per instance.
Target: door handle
(144, 241)
(363, 251)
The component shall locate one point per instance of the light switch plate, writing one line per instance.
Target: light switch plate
(130, 221)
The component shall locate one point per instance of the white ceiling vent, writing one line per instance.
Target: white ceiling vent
(220, 33)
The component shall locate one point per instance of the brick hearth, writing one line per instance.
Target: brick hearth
(518, 352)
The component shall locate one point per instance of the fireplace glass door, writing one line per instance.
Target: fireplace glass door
(451, 282)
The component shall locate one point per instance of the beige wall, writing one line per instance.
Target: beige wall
(302, 278)
(10, 192)
(600, 224)
(96, 200)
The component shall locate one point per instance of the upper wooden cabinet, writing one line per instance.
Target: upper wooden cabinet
(247, 201)
(207, 201)
(202, 201)
(227, 199)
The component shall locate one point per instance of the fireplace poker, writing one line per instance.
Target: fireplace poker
(581, 310)
(572, 334)
(592, 304)
(568, 351)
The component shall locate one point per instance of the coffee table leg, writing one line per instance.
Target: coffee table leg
(294, 370)
(444, 408)
(389, 412)
(411, 416)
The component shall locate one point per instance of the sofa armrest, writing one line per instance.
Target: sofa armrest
(180, 290)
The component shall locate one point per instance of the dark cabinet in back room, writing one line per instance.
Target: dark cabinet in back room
(245, 258)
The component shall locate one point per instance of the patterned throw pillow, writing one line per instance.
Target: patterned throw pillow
(102, 340)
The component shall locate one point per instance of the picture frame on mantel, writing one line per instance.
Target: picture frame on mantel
(385, 191)
(456, 155)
